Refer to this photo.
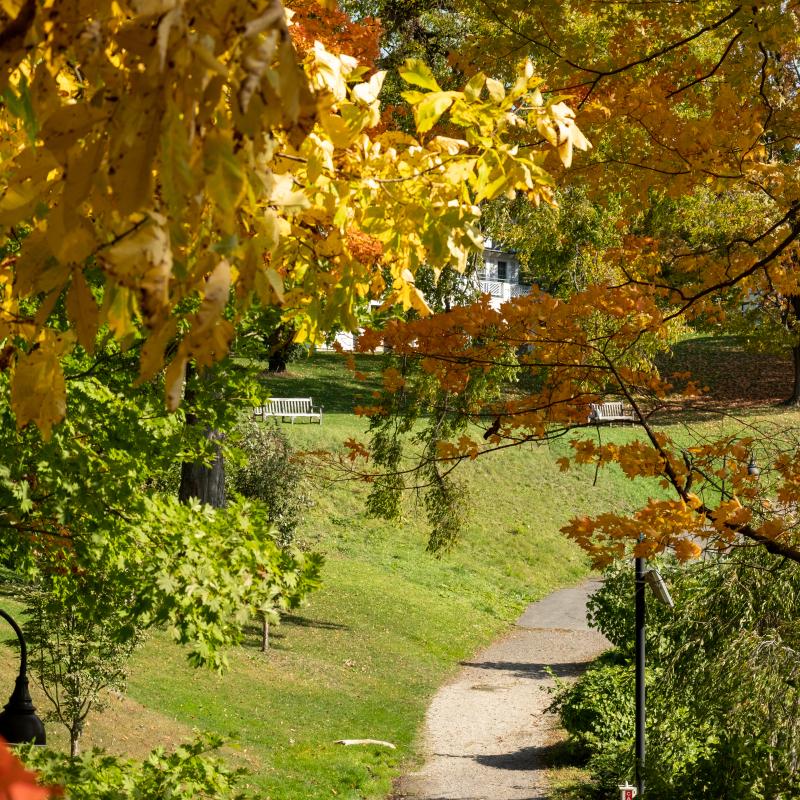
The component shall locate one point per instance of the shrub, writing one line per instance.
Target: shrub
(272, 474)
(723, 702)
(598, 707)
(190, 772)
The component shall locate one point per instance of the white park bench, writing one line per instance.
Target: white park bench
(608, 412)
(291, 407)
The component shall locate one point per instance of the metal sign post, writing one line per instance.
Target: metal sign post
(640, 663)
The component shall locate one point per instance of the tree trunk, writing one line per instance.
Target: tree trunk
(264, 633)
(74, 741)
(794, 399)
(206, 483)
(278, 360)
(279, 347)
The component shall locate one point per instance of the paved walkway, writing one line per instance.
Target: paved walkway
(486, 733)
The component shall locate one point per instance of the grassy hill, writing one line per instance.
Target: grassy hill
(362, 659)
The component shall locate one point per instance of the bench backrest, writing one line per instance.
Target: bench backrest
(608, 411)
(289, 405)
(612, 409)
(285, 405)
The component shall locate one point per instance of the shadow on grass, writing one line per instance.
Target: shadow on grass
(522, 669)
(326, 379)
(571, 782)
(716, 412)
(251, 634)
(305, 622)
(251, 637)
(734, 374)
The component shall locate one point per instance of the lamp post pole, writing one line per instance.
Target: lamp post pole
(18, 720)
(640, 609)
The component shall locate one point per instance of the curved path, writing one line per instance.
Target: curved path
(486, 732)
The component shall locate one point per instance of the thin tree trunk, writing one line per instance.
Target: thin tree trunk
(206, 483)
(794, 399)
(74, 741)
(264, 633)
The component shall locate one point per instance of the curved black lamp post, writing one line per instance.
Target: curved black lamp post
(18, 720)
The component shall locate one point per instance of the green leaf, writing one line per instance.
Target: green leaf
(418, 73)
(473, 89)
(428, 112)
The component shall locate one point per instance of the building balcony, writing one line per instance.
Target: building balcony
(503, 290)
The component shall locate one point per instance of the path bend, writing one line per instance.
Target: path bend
(486, 733)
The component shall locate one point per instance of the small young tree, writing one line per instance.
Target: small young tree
(272, 475)
(286, 588)
(80, 639)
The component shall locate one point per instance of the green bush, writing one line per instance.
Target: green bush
(271, 473)
(723, 699)
(611, 609)
(598, 707)
(191, 772)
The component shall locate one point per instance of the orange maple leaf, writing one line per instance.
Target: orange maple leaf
(19, 783)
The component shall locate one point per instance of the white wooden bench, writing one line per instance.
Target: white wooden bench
(608, 412)
(290, 407)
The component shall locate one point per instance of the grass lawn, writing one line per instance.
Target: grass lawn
(363, 658)
(366, 654)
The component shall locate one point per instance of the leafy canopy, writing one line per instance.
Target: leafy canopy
(162, 169)
(682, 105)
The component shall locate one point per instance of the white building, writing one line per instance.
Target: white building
(499, 276)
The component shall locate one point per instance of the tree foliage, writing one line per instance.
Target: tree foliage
(723, 707)
(158, 164)
(194, 769)
(692, 117)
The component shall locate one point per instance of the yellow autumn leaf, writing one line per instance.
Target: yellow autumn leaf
(173, 381)
(430, 109)
(367, 93)
(82, 310)
(418, 73)
(496, 90)
(151, 359)
(71, 238)
(38, 388)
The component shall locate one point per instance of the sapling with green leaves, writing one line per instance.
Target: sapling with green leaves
(80, 637)
(271, 474)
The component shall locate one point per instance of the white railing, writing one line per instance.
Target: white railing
(503, 290)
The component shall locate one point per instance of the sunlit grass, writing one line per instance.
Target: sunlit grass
(363, 658)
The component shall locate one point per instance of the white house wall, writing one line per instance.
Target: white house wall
(491, 261)
(487, 281)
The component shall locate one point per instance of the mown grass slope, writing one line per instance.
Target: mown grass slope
(363, 658)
